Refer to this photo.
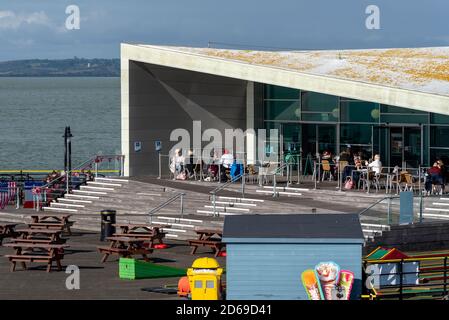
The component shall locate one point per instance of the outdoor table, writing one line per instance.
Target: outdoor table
(207, 234)
(205, 238)
(51, 234)
(151, 232)
(7, 230)
(28, 252)
(129, 227)
(51, 221)
(125, 247)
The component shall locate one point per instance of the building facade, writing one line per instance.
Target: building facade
(389, 102)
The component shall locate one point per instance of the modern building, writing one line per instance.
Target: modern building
(394, 102)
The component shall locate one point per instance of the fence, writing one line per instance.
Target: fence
(424, 276)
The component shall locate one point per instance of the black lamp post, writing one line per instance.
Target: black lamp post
(68, 155)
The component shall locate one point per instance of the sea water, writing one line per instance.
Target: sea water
(35, 111)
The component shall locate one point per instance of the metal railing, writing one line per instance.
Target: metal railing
(278, 171)
(423, 276)
(41, 193)
(221, 187)
(166, 203)
(389, 199)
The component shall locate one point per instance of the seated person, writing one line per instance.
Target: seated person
(189, 165)
(227, 159)
(376, 165)
(434, 177)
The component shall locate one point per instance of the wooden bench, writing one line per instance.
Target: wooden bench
(47, 253)
(125, 247)
(37, 241)
(215, 245)
(7, 231)
(45, 220)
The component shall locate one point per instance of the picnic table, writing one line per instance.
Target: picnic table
(7, 230)
(32, 233)
(150, 232)
(29, 252)
(206, 238)
(51, 221)
(125, 247)
(134, 227)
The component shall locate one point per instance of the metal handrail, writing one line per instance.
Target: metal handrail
(276, 172)
(221, 187)
(166, 203)
(389, 198)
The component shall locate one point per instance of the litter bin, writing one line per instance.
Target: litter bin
(107, 221)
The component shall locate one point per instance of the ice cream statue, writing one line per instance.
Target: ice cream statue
(327, 282)
(312, 285)
(345, 281)
(327, 273)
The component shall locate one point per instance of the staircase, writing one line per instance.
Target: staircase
(282, 191)
(437, 209)
(230, 206)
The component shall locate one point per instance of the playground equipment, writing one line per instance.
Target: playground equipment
(205, 279)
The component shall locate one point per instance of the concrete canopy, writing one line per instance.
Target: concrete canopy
(415, 78)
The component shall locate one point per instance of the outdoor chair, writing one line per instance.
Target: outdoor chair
(326, 167)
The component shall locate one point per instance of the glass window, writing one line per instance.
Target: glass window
(318, 102)
(355, 134)
(391, 109)
(359, 111)
(439, 136)
(439, 118)
(282, 110)
(404, 118)
(319, 116)
(439, 154)
(277, 92)
(210, 284)
(198, 284)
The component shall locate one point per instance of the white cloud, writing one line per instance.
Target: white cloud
(12, 20)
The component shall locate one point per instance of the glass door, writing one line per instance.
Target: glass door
(327, 138)
(405, 146)
(396, 146)
(412, 147)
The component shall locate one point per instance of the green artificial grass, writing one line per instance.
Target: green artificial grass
(135, 269)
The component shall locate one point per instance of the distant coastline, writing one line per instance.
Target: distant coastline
(76, 67)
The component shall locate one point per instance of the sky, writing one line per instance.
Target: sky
(37, 29)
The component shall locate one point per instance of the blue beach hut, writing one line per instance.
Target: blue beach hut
(266, 254)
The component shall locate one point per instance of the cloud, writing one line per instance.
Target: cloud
(12, 20)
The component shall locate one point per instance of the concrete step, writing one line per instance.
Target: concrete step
(65, 210)
(99, 179)
(293, 189)
(95, 188)
(221, 213)
(286, 193)
(227, 209)
(237, 204)
(88, 192)
(436, 209)
(235, 199)
(80, 196)
(65, 205)
(374, 226)
(69, 200)
(196, 221)
(436, 216)
(103, 184)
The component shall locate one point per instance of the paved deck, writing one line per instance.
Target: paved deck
(98, 281)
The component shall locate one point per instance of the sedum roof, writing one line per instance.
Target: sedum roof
(418, 69)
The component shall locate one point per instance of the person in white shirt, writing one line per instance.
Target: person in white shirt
(376, 165)
(227, 159)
